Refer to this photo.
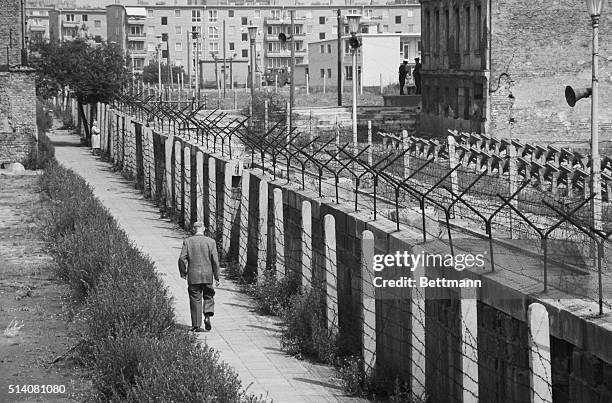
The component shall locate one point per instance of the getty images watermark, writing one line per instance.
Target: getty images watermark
(405, 260)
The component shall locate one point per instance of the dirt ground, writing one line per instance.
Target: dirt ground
(34, 312)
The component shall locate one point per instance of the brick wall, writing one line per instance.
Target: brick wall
(18, 130)
(541, 49)
(10, 31)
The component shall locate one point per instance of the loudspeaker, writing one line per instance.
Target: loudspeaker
(574, 95)
(283, 37)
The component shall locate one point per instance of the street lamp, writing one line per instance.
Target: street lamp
(252, 29)
(572, 95)
(354, 43)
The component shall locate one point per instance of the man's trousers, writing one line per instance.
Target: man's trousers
(197, 292)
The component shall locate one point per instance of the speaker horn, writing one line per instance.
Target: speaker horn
(574, 95)
(284, 37)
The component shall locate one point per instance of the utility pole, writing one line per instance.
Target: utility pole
(292, 87)
(224, 66)
(340, 26)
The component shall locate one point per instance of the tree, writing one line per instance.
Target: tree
(149, 73)
(94, 72)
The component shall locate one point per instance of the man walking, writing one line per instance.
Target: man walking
(403, 72)
(416, 73)
(199, 264)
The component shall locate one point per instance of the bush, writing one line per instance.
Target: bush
(129, 336)
(305, 330)
(273, 295)
(137, 368)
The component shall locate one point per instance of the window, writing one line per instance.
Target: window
(178, 30)
(269, 29)
(177, 13)
(213, 46)
(196, 16)
(410, 13)
(164, 20)
(437, 32)
(230, 13)
(410, 28)
(231, 46)
(322, 20)
(457, 29)
(322, 48)
(468, 28)
(348, 73)
(428, 30)
(244, 21)
(447, 27)
(84, 17)
(197, 29)
(164, 37)
(269, 46)
(245, 37)
(245, 53)
(321, 35)
(309, 29)
(70, 17)
(213, 32)
(329, 48)
(322, 73)
(398, 19)
(213, 15)
(151, 30)
(257, 13)
(276, 14)
(97, 23)
(150, 13)
(478, 27)
(352, 11)
(178, 47)
(328, 73)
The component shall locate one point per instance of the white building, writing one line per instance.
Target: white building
(378, 59)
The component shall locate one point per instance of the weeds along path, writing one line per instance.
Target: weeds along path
(245, 340)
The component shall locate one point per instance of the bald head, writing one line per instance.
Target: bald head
(198, 227)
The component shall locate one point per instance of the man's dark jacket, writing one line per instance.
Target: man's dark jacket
(199, 259)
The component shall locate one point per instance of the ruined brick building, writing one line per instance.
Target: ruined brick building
(500, 67)
(18, 132)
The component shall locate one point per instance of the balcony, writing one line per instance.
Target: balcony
(284, 21)
(136, 21)
(71, 24)
(136, 36)
(138, 52)
(37, 27)
(278, 53)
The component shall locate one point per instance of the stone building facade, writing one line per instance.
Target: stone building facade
(18, 132)
(500, 67)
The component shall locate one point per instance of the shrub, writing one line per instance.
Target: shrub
(129, 335)
(305, 332)
(373, 384)
(272, 295)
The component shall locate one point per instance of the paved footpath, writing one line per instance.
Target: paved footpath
(245, 340)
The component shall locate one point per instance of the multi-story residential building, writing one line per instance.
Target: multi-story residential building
(378, 59)
(67, 24)
(223, 32)
(38, 23)
(500, 67)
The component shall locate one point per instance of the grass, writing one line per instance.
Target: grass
(129, 336)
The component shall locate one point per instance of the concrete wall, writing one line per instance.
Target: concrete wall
(18, 132)
(460, 348)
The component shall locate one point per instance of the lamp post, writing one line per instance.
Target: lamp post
(252, 29)
(353, 23)
(594, 8)
(196, 35)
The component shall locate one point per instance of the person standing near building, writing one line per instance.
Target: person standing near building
(403, 72)
(199, 264)
(95, 138)
(416, 73)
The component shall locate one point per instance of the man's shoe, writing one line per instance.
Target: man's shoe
(193, 328)
(207, 324)
(200, 330)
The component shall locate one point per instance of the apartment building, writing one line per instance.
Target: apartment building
(378, 59)
(223, 33)
(38, 23)
(71, 23)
